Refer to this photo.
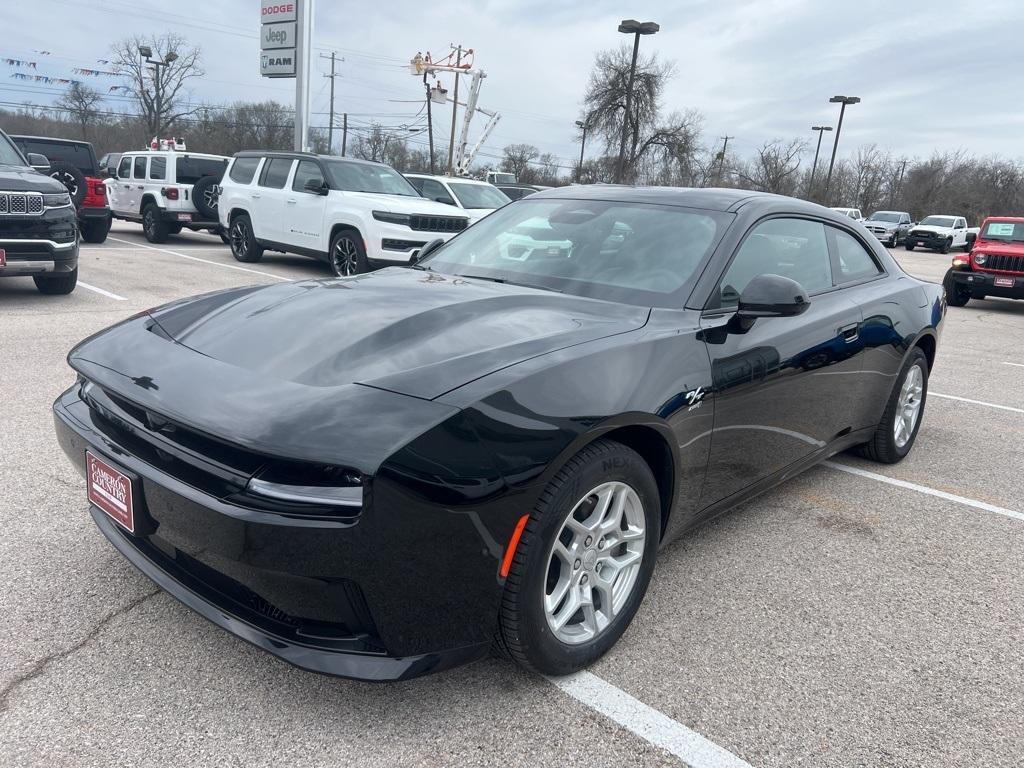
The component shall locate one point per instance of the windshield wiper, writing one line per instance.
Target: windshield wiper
(506, 281)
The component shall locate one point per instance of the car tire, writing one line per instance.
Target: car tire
(243, 242)
(205, 197)
(956, 295)
(153, 227)
(173, 229)
(530, 601)
(57, 285)
(946, 245)
(908, 245)
(893, 241)
(223, 237)
(73, 179)
(347, 256)
(95, 231)
(909, 396)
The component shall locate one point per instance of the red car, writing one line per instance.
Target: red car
(993, 267)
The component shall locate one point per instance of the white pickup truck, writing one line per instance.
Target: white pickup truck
(939, 233)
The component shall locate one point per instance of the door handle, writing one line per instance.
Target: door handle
(255, 197)
(292, 202)
(849, 332)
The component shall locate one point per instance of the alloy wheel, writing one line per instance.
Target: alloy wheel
(149, 224)
(67, 180)
(239, 239)
(594, 563)
(345, 258)
(211, 198)
(908, 408)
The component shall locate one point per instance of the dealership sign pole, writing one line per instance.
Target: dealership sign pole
(286, 34)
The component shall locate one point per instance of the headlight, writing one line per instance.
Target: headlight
(391, 218)
(980, 258)
(57, 200)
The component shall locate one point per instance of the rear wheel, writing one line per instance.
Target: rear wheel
(908, 245)
(57, 285)
(583, 563)
(896, 432)
(153, 226)
(956, 295)
(95, 231)
(243, 242)
(348, 257)
(173, 229)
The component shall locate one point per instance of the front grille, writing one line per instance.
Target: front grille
(923, 235)
(438, 223)
(1003, 264)
(21, 203)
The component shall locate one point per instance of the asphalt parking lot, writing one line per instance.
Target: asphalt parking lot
(859, 615)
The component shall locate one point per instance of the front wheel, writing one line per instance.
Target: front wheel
(957, 295)
(908, 245)
(892, 240)
(348, 257)
(243, 242)
(583, 562)
(896, 432)
(946, 245)
(57, 285)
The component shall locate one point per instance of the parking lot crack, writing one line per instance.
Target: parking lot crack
(41, 665)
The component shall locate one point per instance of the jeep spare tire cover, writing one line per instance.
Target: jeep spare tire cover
(72, 178)
(204, 196)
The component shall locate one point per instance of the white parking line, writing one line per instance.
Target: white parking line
(204, 261)
(646, 722)
(100, 291)
(1018, 365)
(977, 402)
(982, 505)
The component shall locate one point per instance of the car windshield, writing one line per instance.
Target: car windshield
(478, 195)
(885, 216)
(1007, 231)
(368, 177)
(79, 155)
(937, 221)
(8, 154)
(636, 253)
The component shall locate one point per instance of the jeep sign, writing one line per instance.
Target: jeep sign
(274, 11)
(275, 36)
(278, 63)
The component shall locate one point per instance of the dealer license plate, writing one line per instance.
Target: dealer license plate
(184, 217)
(3, 258)
(1003, 282)
(110, 490)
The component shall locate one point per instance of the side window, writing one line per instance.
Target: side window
(158, 168)
(905, 219)
(275, 172)
(854, 261)
(434, 190)
(793, 248)
(124, 169)
(244, 169)
(140, 168)
(307, 170)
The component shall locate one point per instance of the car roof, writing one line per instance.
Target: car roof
(460, 179)
(301, 155)
(50, 139)
(1014, 219)
(709, 198)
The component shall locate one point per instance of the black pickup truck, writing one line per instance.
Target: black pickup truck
(38, 223)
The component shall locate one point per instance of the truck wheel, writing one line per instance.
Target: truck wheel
(908, 245)
(243, 242)
(59, 285)
(946, 245)
(95, 231)
(153, 226)
(892, 240)
(205, 196)
(956, 295)
(72, 178)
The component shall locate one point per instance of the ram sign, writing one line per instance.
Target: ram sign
(278, 63)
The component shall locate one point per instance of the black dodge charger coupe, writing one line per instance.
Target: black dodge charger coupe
(383, 476)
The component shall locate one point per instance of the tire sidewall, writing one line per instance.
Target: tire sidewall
(80, 183)
(543, 650)
(199, 190)
(361, 263)
(917, 358)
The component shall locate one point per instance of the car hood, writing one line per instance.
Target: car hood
(475, 214)
(882, 224)
(405, 204)
(408, 331)
(17, 178)
(999, 248)
(932, 228)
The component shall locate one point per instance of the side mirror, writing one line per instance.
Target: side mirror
(427, 249)
(316, 186)
(772, 296)
(38, 162)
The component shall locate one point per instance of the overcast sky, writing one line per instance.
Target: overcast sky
(937, 75)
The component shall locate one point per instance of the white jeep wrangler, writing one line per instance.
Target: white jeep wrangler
(167, 191)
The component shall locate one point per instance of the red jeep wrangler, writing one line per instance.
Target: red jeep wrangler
(994, 266)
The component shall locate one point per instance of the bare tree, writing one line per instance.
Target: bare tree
(516, 158)
(774, 168)
(80, 101)
(159, 89)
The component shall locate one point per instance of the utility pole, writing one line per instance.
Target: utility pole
(721, 158)
(330, 124)
(898, 185)
(455, 108)
(344, 132)
(430, 123)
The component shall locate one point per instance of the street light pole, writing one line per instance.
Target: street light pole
(635, 28)
(843, 100)
(583, 142)
(814, 168)
(146, 53)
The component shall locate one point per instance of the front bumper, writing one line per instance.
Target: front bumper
(934, 242)
(984, 283)
(189, 220)
(37, 256)
(884, 235)
(328, 596)
(398, 244)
